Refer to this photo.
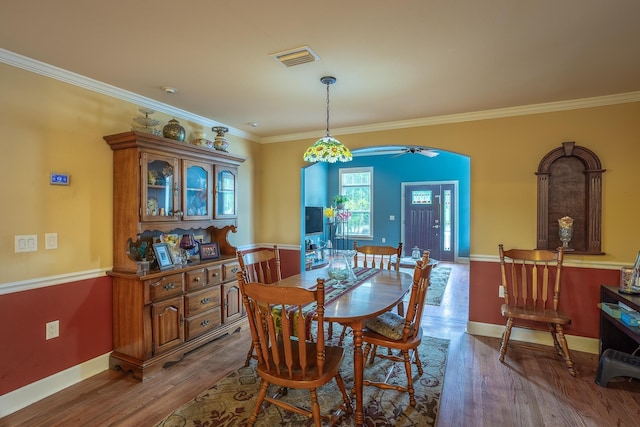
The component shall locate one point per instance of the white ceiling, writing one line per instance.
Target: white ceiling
(393, 60)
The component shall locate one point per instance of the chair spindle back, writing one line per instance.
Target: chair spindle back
(279, 327)
(531, 278)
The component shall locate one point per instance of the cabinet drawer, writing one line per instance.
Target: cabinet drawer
(202, 323)
(196, 279)
(197, 302)
(166, 287)
(214, 274)
(230, 271)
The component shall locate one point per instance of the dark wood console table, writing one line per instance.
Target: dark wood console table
(613, 333)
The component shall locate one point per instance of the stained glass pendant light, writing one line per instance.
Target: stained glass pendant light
(327, 148)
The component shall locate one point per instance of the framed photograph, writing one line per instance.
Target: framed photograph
(163, 256)
(209, 251)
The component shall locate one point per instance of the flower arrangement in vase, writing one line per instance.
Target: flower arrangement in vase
(330, 213)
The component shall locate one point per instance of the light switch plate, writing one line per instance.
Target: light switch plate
(26, 243)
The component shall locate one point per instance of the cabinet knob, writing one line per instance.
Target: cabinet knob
(169, 286)
(197, 279)
(205, 301)
(205, 323)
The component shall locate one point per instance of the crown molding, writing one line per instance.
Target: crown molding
(524, 110)
(60, 74)
(66, 76)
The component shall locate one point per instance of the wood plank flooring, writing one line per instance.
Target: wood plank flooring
(533, 388)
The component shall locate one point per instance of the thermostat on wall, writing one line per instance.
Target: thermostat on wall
(59, 178)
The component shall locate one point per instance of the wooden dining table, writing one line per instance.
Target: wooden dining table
(368, 296)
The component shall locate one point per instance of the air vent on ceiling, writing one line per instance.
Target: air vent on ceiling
(297, 56)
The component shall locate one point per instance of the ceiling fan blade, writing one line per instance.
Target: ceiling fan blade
(428, 153)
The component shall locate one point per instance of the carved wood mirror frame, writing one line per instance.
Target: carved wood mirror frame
(570, 184)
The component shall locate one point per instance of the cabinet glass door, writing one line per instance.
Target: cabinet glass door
(160, 188)
(226, 203)
(197, 200)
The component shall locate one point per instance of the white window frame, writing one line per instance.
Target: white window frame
(369, 170)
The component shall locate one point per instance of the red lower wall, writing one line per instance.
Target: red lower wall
(579, 296)
(84, 311)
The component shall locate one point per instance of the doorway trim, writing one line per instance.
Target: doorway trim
(456, 222)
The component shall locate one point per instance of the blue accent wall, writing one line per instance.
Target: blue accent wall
(389, 172)
(315, 193)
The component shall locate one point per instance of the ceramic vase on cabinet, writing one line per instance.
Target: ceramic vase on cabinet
(220, 142)
(174, 130)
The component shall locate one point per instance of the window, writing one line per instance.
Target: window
(357, 185)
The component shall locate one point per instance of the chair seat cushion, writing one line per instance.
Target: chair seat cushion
(388, 324)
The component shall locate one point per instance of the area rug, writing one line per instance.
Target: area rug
(437, 284)
(231, 401)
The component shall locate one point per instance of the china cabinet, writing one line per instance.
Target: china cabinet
(165, 186)
(161, 185)
(225, 187)
(159, 317)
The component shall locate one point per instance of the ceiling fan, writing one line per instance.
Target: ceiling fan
(394, 151)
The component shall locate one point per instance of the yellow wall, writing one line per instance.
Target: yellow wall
(51, 126)
(505, 154)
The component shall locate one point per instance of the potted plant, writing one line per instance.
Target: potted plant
(340, 201)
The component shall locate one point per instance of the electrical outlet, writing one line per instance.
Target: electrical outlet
(53, 329)
(501, 291)
(51, 240)
(384, 240)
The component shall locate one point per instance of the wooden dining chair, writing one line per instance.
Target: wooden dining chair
(377, 256)
(285, 358)
(402, 333)
(531, 280)
(370, 256)
(262, 266)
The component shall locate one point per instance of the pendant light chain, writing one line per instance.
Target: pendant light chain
(328, 84)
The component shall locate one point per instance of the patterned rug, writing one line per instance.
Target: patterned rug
(231, 401)
(438, 284)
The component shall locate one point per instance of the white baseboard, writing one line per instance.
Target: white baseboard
(588, 345)
(25, 396)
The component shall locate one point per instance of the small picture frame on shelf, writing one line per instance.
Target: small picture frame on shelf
(163, 255)
(209, 251)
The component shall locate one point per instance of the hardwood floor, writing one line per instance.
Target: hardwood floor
(533, 388)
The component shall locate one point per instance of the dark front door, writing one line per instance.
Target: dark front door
(428, 220)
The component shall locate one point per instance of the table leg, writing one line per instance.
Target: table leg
(358, 370)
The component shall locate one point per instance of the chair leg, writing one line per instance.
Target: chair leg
(417, 361)
(401, 308)
(556, 344)
(407, 368)
(505, 338)
(315, 407)
(264, 385)
(249, 356)
(565, 350)
(330, 330)
(342, 335)
(367, 350)
(345, 396)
